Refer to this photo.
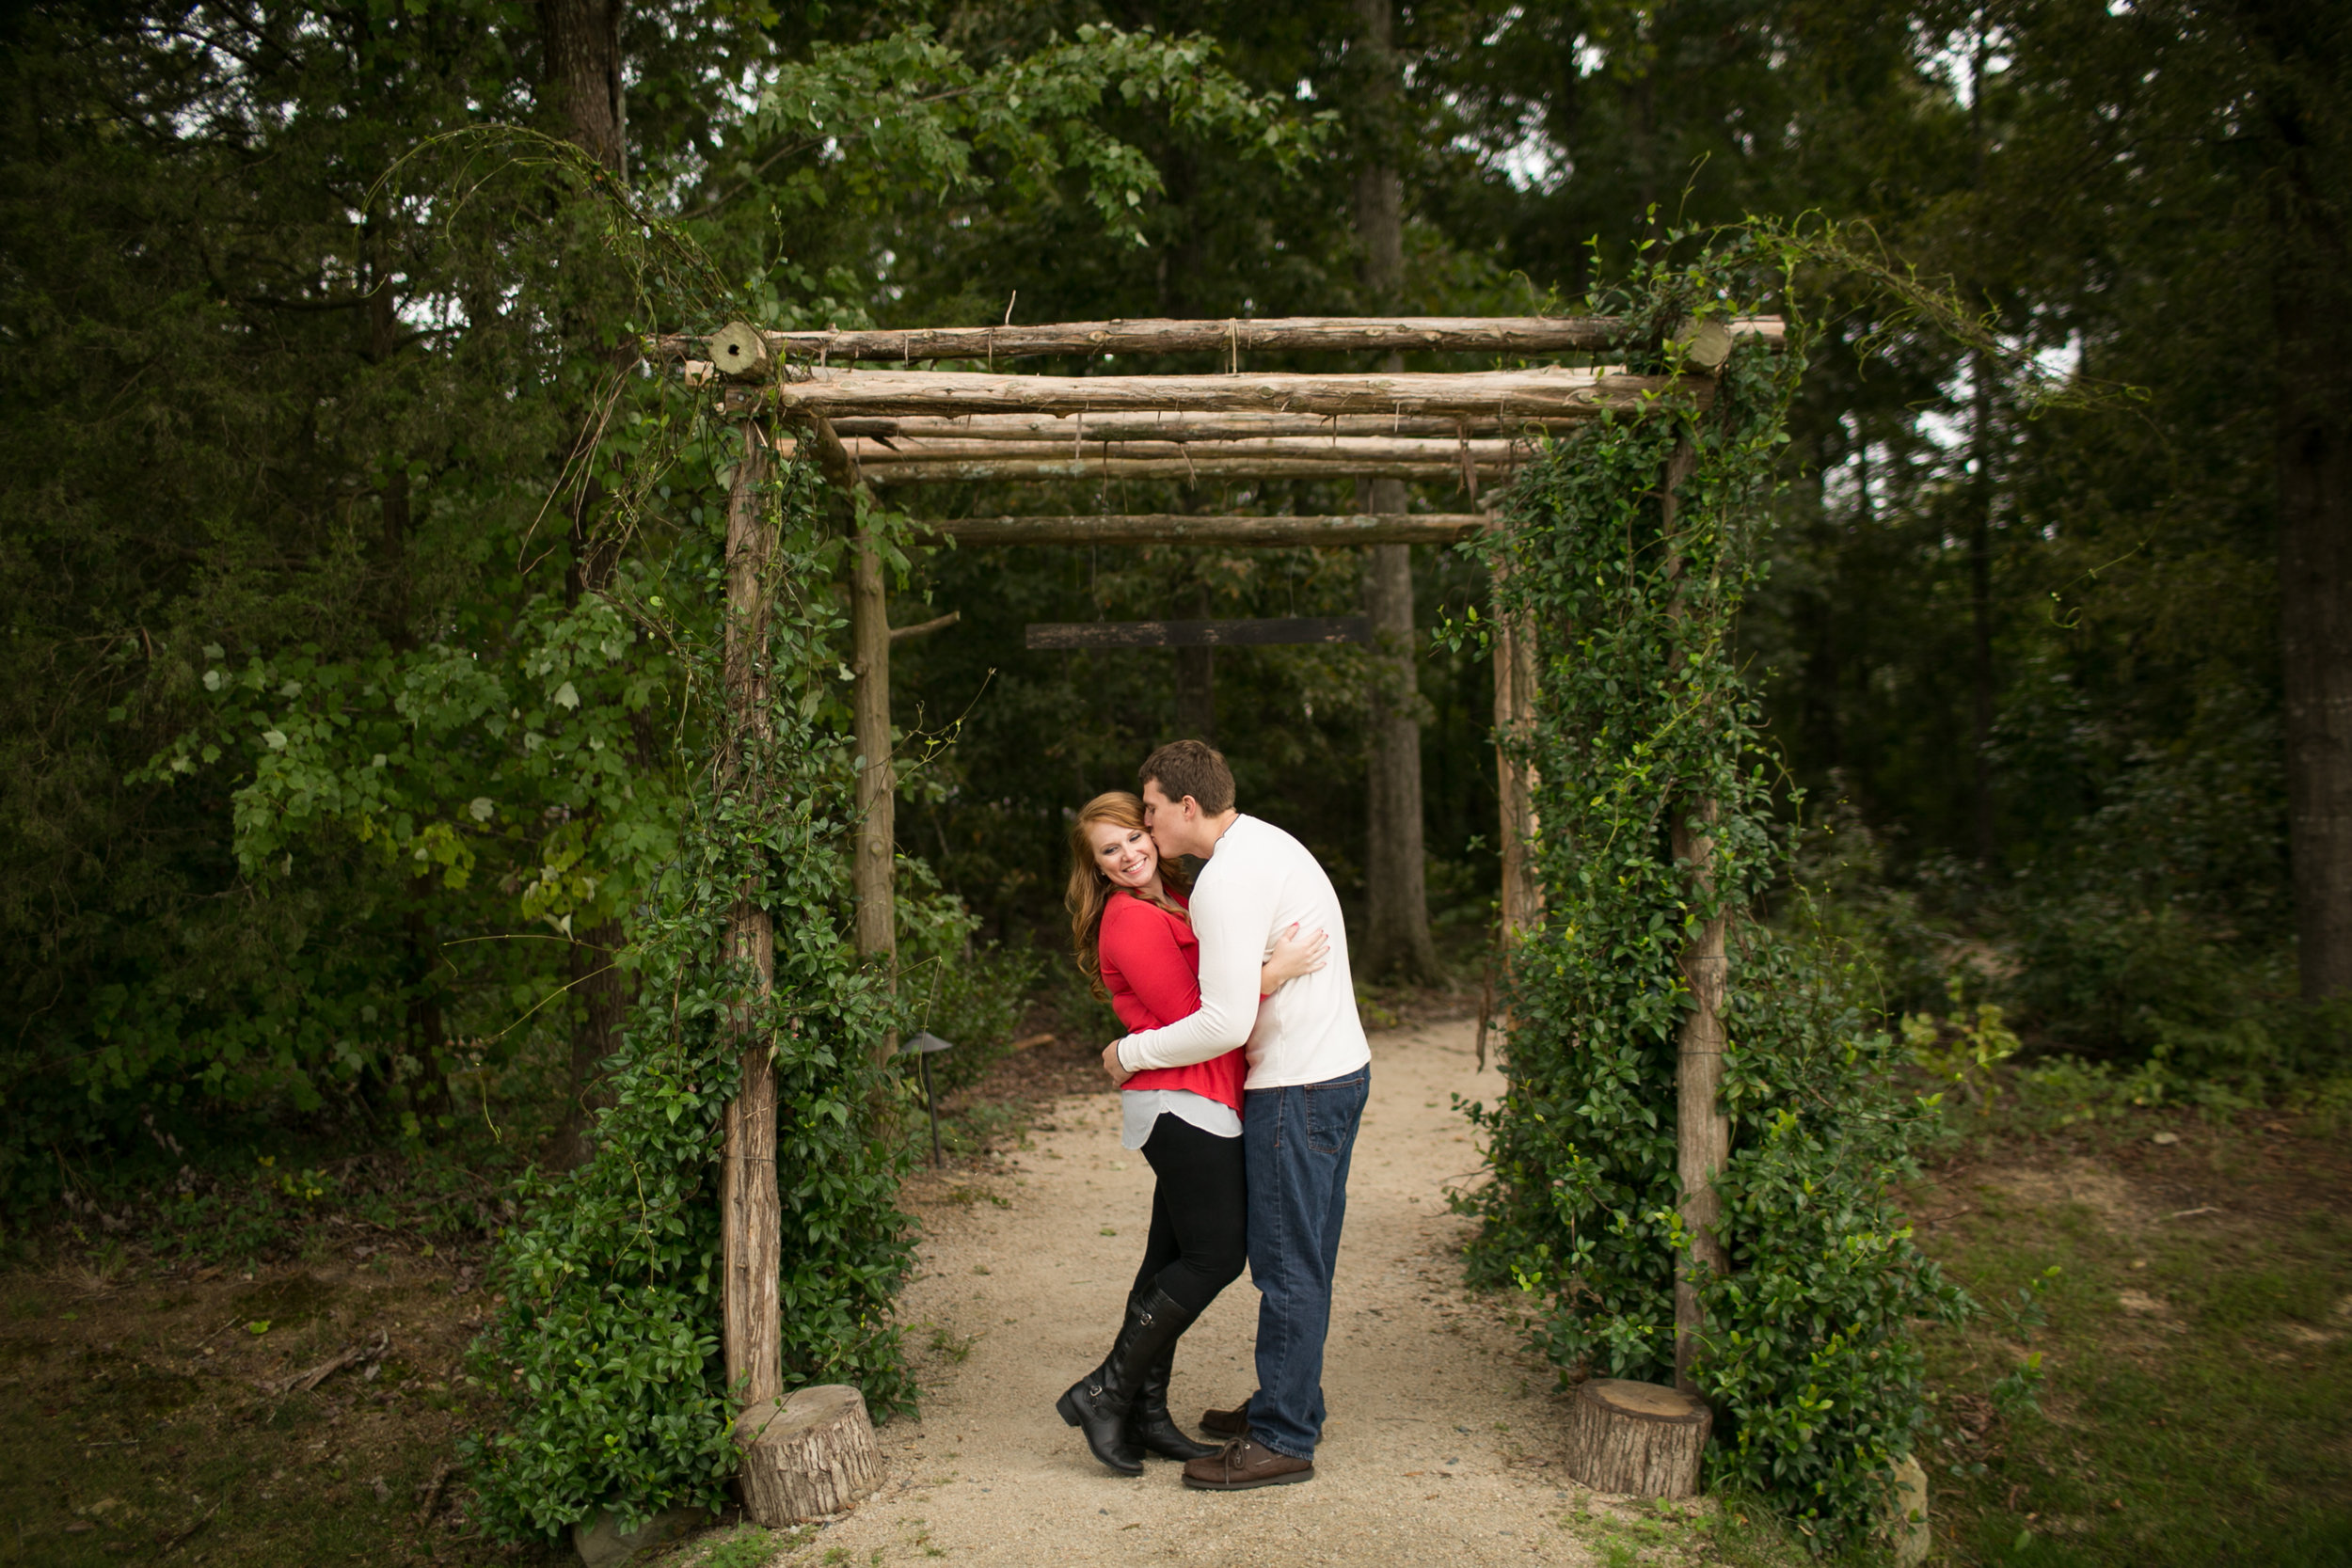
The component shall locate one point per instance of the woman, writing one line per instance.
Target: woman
(1131, 934)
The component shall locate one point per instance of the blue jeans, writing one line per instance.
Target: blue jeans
(1297, 1142)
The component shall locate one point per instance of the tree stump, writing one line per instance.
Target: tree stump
(1640, 1440)
(812, 1456)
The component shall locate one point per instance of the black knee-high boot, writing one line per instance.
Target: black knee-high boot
(1150, 1427)
(1098, 1404)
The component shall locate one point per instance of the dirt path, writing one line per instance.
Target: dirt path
(1443, 1438)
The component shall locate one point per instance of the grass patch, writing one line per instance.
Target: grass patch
(145, 1420)
(2197, 1347)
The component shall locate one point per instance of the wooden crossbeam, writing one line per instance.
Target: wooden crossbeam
(1396, 528)
(1211, 464)
(1064, 429)
(1547, 393)
(1409, 334)
(1342, 450)
(1268, 632)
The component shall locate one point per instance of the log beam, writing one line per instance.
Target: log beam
(1063, 429)
(1209, 465)
(1272, 631)
(1339, 451)
(1549, 393)
(1341, 334)
(1335, 532)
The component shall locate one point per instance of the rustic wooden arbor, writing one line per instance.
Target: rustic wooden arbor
(901, 424)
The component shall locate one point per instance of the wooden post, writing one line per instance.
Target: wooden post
(752, 1215)
(876, 781)
(1515, 779)
(1702, 1131)
(872, 871)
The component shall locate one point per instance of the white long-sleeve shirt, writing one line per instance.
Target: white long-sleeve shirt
(1260, 882)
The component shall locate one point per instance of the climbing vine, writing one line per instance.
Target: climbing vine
(606, 1344)
(1642, 714)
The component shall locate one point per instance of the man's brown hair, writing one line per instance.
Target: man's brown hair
(1192, 768)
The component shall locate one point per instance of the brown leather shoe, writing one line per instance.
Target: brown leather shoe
(1245, 1463)
(1226, 1423)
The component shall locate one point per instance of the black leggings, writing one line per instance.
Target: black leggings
(1199, 1211)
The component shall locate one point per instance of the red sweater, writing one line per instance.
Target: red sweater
(1151, 963)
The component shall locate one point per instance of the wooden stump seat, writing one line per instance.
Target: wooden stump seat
(812, 1456)
(1639, 1439)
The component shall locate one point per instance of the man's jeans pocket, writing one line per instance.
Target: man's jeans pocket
(1333, 1110)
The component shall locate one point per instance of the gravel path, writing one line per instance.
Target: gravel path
(1443, 1440)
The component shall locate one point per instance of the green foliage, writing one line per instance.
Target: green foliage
(969, 992)
(1808, 1351)
(1962, 1050)
(607, 1347)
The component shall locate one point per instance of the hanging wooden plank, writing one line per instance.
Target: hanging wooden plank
(1345, 333)
(1545, 393)
(1270, 632)
(1430, 528)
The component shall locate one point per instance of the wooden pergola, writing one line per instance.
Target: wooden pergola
(873, 410)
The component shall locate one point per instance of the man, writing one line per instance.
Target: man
(1310, 1070)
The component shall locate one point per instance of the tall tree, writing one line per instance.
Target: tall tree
(1397, 940)
(584, 86)
(2297, 58)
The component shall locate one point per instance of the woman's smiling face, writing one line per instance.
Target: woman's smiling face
(1125, 855)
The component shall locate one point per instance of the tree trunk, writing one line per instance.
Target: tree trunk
(1396, 939)
(1195, 681)
(1980, 443)
(2310, 257)
(1397, 942)
(581, 69)
(1636, 1439)
(751, 1214)
(582, 74)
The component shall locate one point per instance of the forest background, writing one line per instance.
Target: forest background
(335, 766)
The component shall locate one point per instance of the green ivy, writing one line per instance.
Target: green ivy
(606, 1346)
(1808, 1357)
